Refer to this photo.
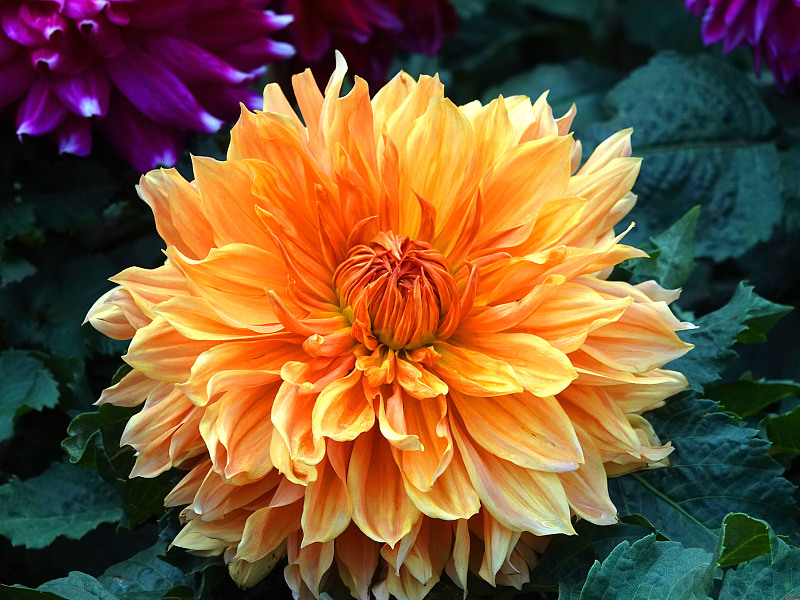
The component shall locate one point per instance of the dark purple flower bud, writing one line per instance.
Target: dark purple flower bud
(146, 71)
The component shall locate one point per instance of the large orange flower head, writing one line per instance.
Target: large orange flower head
(383, 341)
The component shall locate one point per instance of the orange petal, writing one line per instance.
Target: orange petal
(452, 495)
(427, 420)
(235, 280)
(159, 352)
(521, 499)
(150, 287)
(291, 415)
(357, 559)
(587, 487)
(327, 508)
(383, 512)
(539, 367)
(228, 202)
(573, 311)
(176, 207)
(266, 529)
(341, 411)
(131, 390)
(534, 433)
(512, 193)
(475, 373)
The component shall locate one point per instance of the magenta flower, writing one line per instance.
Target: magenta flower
(147, 71)
(366, 32)
(771, 27)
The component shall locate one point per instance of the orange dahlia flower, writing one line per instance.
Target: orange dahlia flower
(383, 342)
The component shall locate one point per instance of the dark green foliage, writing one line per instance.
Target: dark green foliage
(64, 500)
(718, 466)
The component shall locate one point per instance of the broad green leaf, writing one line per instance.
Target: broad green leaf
(743, 538)
(14, 268)
(584, 10)
(18, 592)
(671, 254)
(718, 467)
(93, 442)
(746, 318)
(577, 81)
(703, 132)
(567, 559)
(784, 432)
(775, 576)
(746, 397)
(660, 25)
(790, 159)
(466, 9)
(84, 446)
(78, 586)
(25, 384)
(48, 309)
(16, 219)
(651, 569)
(62, 501)
(144, 576)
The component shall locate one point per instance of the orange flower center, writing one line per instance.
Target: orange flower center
(396, 291)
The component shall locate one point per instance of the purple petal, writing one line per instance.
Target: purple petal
(31, 23)
(144, 144)
(223, 101)
(103, 36)
(213, 29)
(86, 94)
(117, 12)
(157, 93)
(75, 136)
(7, 48)
(39, 112)
(763, 11)
(154, 14)
(17, 76)
(192, 63)
(64, 55)
(252, 55)
(82, 9)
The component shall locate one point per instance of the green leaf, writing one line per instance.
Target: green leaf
(470, 8)
(144, 576)
(16, 219)
(784, 432)
(743, 538)
(578, 81)
(775, 576)
(78, 586)
(718, 466)
(18, 592)
(566, 560)
(671, 254)
(584, 10)
(25, 384)
(746, 318)
(62, 501)
(93, 442)
(651, 569)
(746, 397)
(704, 133)
(791, 188)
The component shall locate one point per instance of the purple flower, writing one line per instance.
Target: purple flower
(771, 27)
(147, 71)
